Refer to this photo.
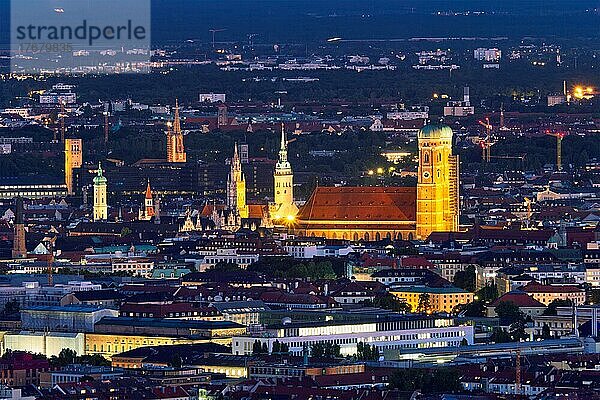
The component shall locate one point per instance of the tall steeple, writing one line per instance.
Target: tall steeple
(176, 120)
(437, 182)
(148, 203)
(175, 148)
(73, 159)
(19, 249)
(283, 148)
(100, 196)
(236, 186)
(284, 184)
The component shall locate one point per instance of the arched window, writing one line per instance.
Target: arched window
(426, 158)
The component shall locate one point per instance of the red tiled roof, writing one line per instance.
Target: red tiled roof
(169, 392)
(520, 299)
(416, 262)
(534, 287)
(257, 211)
(360, 204)
(207, 210)
(291, 298)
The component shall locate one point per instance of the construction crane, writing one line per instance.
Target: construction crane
(559, 137)
(518, 372)
(486, 143)
(213, 31)
(502, 126)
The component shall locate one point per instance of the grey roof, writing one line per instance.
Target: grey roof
(167, 323)
(240, 306)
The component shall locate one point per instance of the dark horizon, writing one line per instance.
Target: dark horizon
(305, 21)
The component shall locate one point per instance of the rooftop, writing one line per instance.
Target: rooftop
(167, 323)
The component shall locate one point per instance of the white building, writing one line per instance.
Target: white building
(48, 344)
(488, 55)
(134, 266)
(394, 332)
(212, 97)
(70, 318)
(58, 98)
(5, 148)
(556, 99)
(229, 256)
(308, 250)
(417, 112)
(21, 112)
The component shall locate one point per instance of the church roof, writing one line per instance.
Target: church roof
(435, 131)
(257, 211)
(148, 191)
(360, 204)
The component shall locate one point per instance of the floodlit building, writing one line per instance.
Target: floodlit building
(71, 318)
(374, 213)
(284, 210)
(73, 160)
(439, 299)
(100, 196)
(175, 148)
(393, 332)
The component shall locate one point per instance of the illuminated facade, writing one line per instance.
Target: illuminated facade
(375, 213)
(73, 159)
(108, 345)
(284, 208)
(19, 249)
(437, 185)
(236, 186)
(442, 299)
(175, 149)
(385, 333)
(148, 210)
(100, 196)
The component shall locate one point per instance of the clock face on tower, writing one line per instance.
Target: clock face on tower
(426, 175)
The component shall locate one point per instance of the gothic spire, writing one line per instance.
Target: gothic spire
(148, 191)
(176, 121)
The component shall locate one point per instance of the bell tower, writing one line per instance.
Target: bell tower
(73, 160)
(175, 148)
(236, 186)
(284, 183)
(100, 200)
(438, 181)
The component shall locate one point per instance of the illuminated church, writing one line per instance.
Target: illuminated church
(175, 148)
(236, 213)
(374, 213)
(283, 208)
